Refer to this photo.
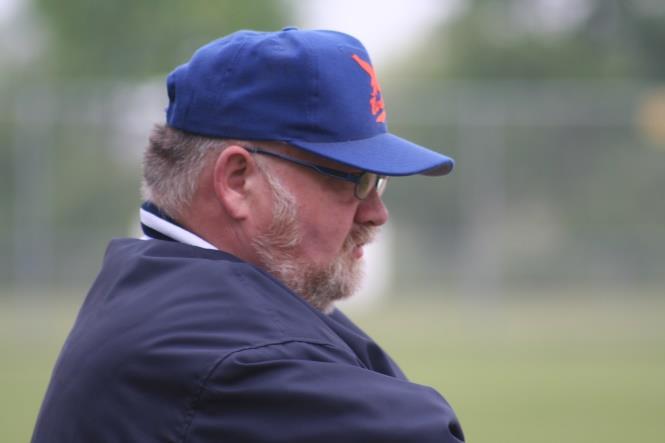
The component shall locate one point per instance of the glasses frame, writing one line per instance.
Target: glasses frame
(357, 178)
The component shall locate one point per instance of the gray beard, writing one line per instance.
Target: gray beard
(276, 248)
(321, 286)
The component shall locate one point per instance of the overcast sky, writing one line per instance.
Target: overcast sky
(386, 27)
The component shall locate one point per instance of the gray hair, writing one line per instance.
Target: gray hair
(172, 165)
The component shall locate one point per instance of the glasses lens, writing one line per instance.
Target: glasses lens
(381, 183)
(365, 185)
(368, 182)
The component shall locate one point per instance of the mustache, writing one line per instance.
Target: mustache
(361, 235)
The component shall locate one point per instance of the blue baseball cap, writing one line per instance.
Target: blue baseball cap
(315, 90)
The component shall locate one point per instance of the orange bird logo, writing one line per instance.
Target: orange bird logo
(376, 98)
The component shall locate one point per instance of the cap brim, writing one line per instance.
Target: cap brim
(384, 154)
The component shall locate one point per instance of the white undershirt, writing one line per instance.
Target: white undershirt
(172, 231)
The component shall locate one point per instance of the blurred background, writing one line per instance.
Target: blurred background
(528, 287)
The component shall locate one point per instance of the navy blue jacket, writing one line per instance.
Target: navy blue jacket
(176, 343)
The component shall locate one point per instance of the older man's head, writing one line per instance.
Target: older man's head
(276, 150)
(305, 227)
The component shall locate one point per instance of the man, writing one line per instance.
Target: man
(219, 325)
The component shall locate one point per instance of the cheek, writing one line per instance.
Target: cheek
(324, 233)
(325, 218)
(263, 213)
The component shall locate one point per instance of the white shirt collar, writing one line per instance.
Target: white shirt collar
(151, 219)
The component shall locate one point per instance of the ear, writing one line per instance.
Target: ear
(235, 177)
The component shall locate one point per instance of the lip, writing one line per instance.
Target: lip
(358, 252)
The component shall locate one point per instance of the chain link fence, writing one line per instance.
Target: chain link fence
(557, 184)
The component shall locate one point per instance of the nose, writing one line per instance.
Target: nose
(371, 211)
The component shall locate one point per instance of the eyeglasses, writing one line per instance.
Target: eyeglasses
(365, 182)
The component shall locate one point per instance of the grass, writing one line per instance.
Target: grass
(540, 370)
(547, 370)
(32, 331)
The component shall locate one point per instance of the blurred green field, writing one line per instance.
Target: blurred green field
(541, 370)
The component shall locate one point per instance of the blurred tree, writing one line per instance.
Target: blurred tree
(133, 38)
(70, 122)
(537, 100)
(544, 39)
